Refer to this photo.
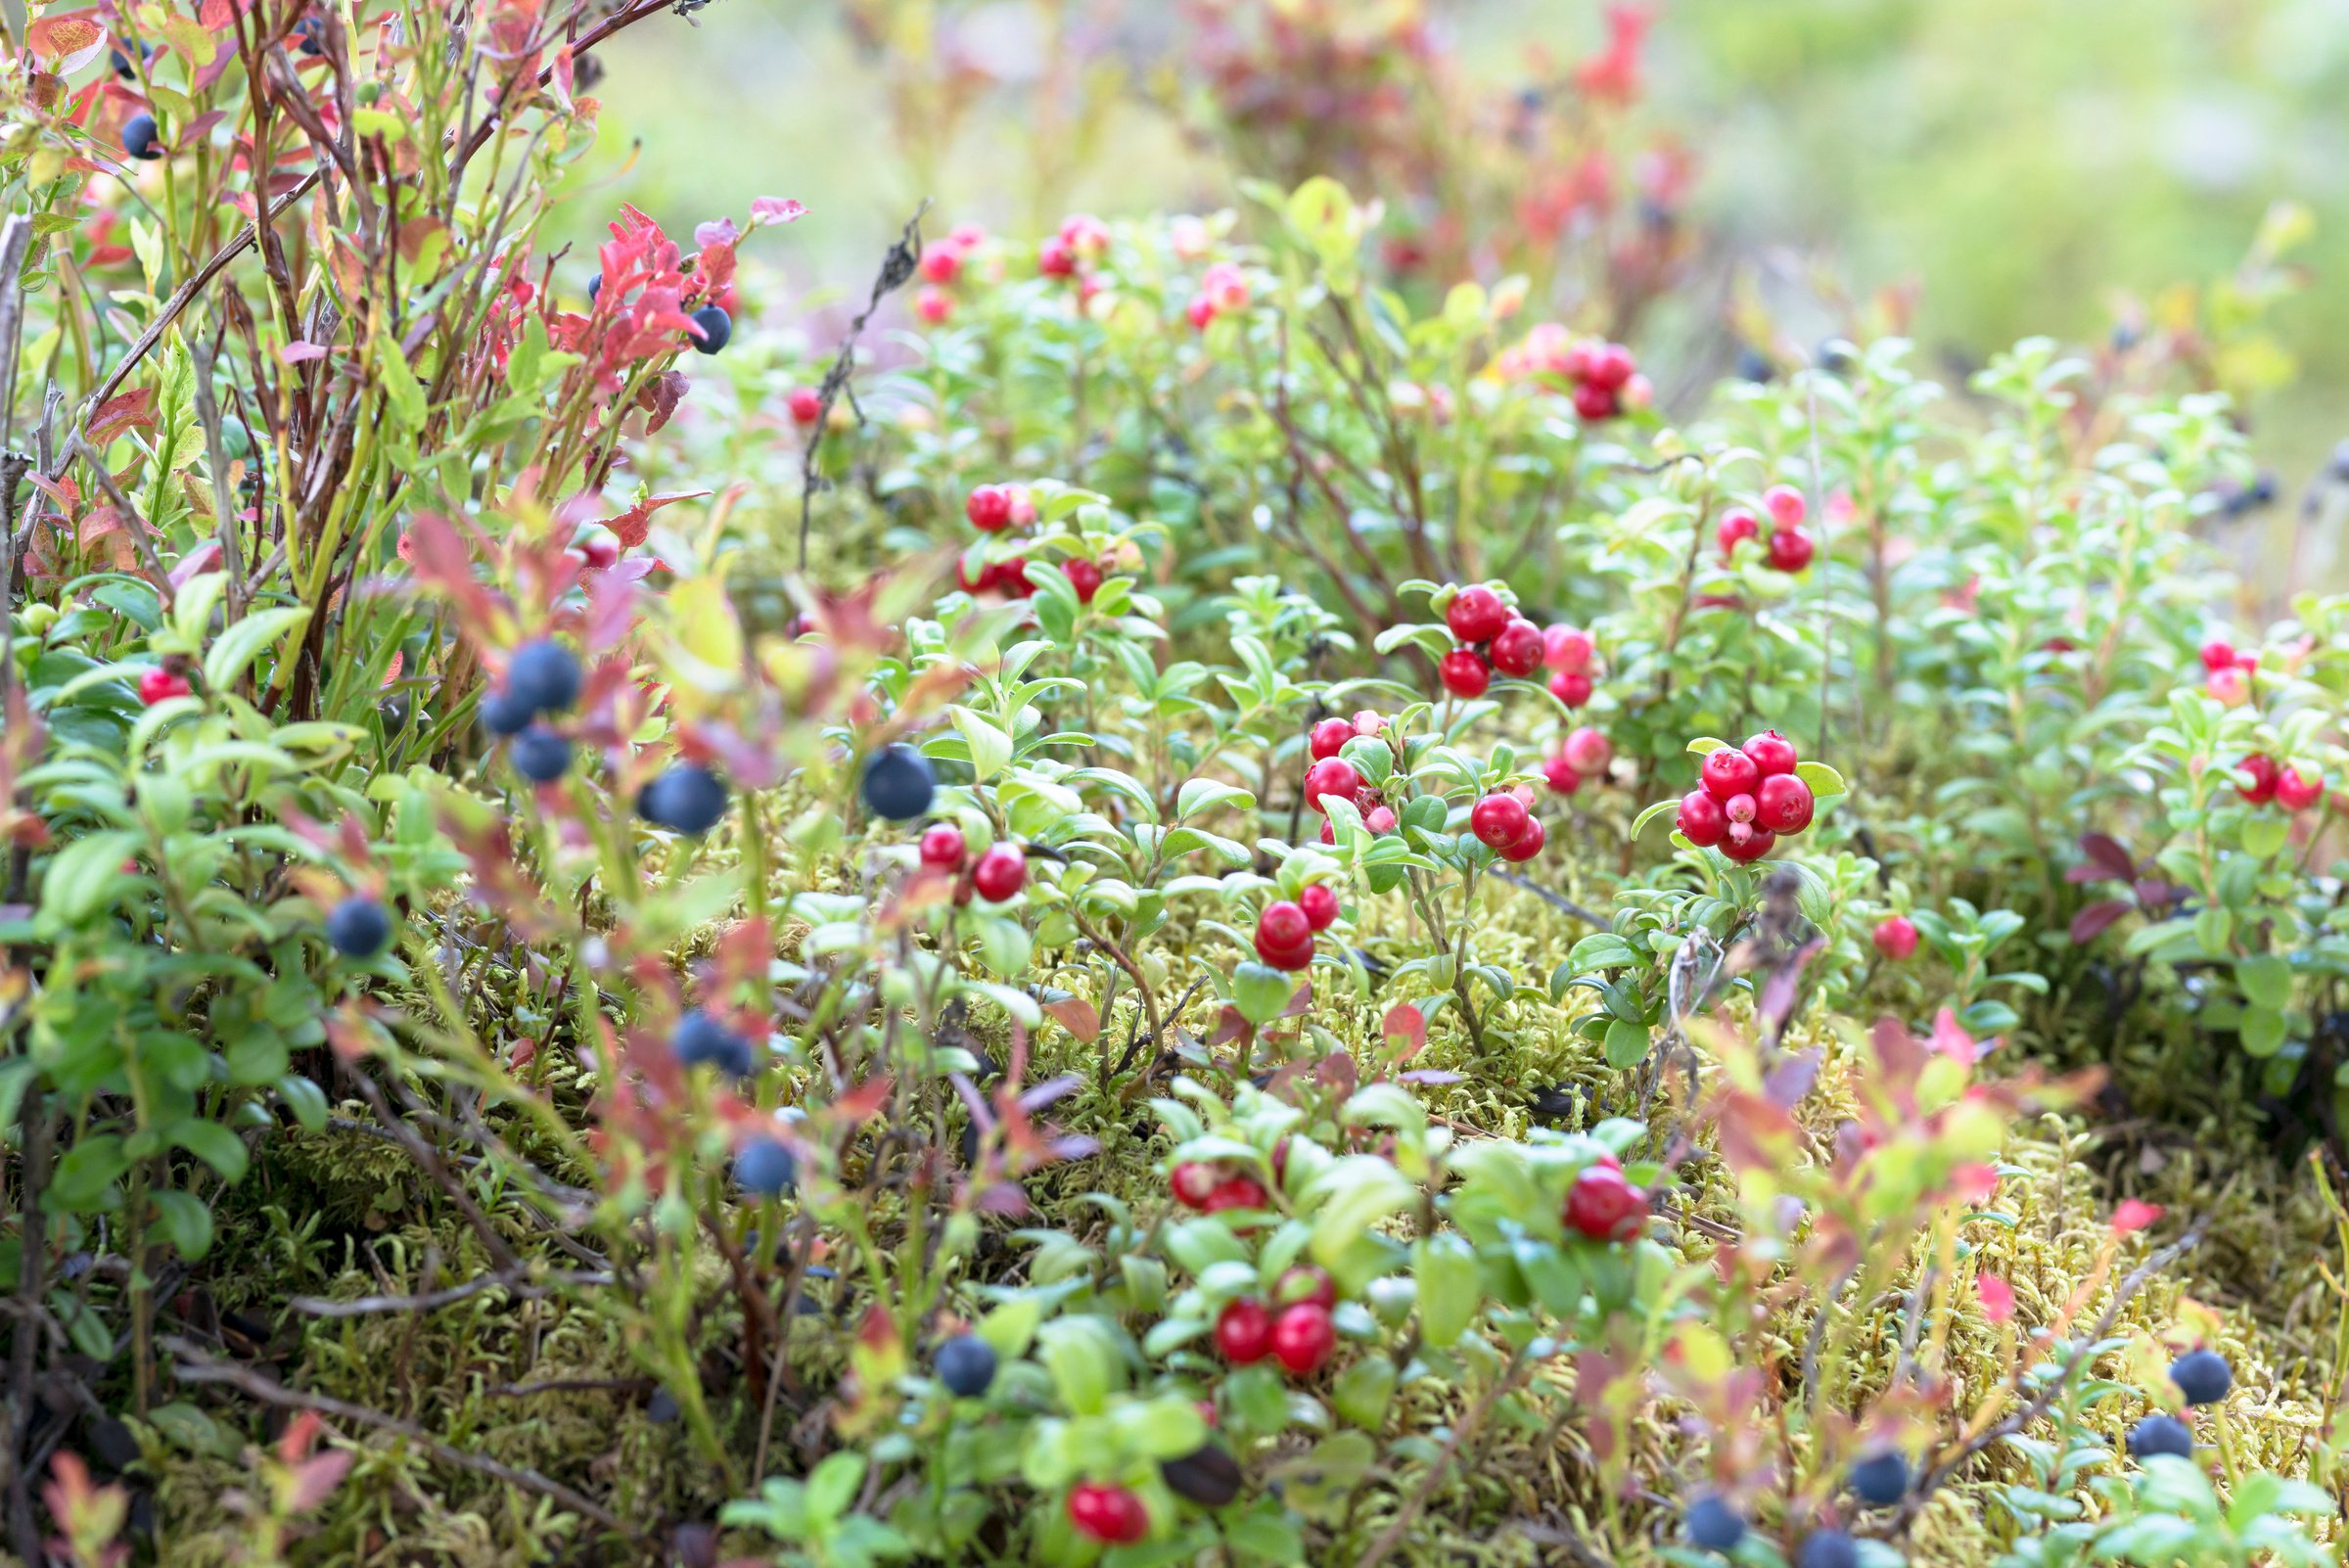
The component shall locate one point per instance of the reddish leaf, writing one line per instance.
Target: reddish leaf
(2094, 919)
(2105, 853)
(130, 410)
(634, 523)
(1407, 1024)
(1076, 1016)
(294, 353)
(768, 209)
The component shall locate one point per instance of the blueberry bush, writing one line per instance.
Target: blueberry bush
(1175, 899)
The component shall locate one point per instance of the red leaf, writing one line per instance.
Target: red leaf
(2106, 852)
(634, 523)
(1076, 1016)
(2093, 920)
(130, 410)
(1407, 1024)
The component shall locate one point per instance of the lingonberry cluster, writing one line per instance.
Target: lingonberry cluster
(996, 874)
(2226, 674)
(1213, 1190)
(1493, 636)
(1295, 1329)
(941, 264)
(1222, 292)
(1332, 775)
(1746, 796)
(1081, 238)
(997, 509)
(1503, 822)
(2295, 787)
(1583, 753)
(1285, 930)
(1569, 653)
(1790, 548)
(1603, 377)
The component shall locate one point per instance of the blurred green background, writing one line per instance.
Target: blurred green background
(2023, 166)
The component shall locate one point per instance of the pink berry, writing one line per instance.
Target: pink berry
(1561, 776)
(1896, 938)
(1200, 312)
(1055, 259)
(1736, 527)
(1701, 821)
(1564, 647)
(1728, 774)
(806, 405)
(1593, 402)
(1303, 1337)
(2264, 777)
(1330, 736)
(941, 262)
(1086, 578)
(162, 685)
(1497, 819)
(1784, 503)
(1741, 808)
(942, 845)
(934, 306)
(1589, 751)
(1476, 615)
(1571, 687)
(2298, 787)
(2231, 686)
(1380, 820)
(2218, 654)
(1610, 367)
(1319, 902)
(988, 507)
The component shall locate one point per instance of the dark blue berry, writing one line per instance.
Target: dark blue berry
(713, 329)
(2161, 1434)
(765, 1169)
(1207, 1475)
(122, 62)
(1881, 1478)
(687, 799)
(544, 674)
(1714, 1525)
(966, 1365)
(141, 139)
(503, 712)
(2202, 1377)
(595, 287)
(1829, 1549)
(899, 784)
(314, 35)
(662, 1407)
(540, 755)
(701, 1038)
(358, 928)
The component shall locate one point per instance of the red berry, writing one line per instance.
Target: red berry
(1011, 578)
(2218, 654)
(1611, 365)
(1896, 936)
(1737, 527)
(2263, 771)
(1564, 647)
(941, 262)
(1593, 402)
(1331, 776)
(1200, 312)
(2298, 787)
(934, 306)
(1329, 831)
(1561, 776)
(1319, 902)
(1791, 549)
(1193, 1183)
(1235, 1192)
(1330, 737)
(1785, 803)
(1303, 1336)
(1757, 843)
(970, 582)
(1056, 258)
(1497, 819)
(1771, 752)
(1729, 774)
(160, 685)
(1525, 845)
(1603, 1206)
(1086, 578)
(1283, 924)
(1571, 687)
(1000, 873)
(988, 507)
(1288, 960)
(1517, 649)
(942, 845)
(1465, 673)
(1701, 822)
(1244, 1332)
(1589, 751)
(1306, 1283)
(1108, 1514)
(1784, 505)
(1476, 615)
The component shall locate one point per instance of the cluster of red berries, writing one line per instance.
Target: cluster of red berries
(1211, 1190)
(994, 509)
(2294, 788)
(997, 874)
(1603, 1205)
(2226, 675)
(1222, 292)
(1081, 238)
(1604, 376)
(940, 264)
(1331, 774)
(1295, 1329)
(1583, 753)
(1568, 651)
(1284, 932)
(1503, 822)
(1790, 548)
(1746, 796)
(1493, 636)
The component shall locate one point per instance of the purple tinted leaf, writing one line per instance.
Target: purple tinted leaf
(2092, 921)
(2104, 851)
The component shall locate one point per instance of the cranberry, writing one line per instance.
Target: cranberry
(1465, 673)
(1086, 578)
(1303, 1336)
(1603, 1206)
(1610, 367)
(2218, 654)
(1319, 902)
(1758, 843)
(1525, 845)
(1561, 776)
(1331, 776)
(1594, 402)
(806, 405)
(1055, 259)
(934, 306)
(1784, 503)
(1000, 873)
(1244, 1332)
(988, 507)
(1476, 615)
(1306, 1283)
(1791, 549)
(1735, 528)
(1517, 649)
(2262, 788)
(1329, 736)
(1701, 822)
(1564, 647)
(2298, 787)
(1896, 938)
(1589, 751)
(1193, 1183)
(1108, 1514)
(1728, 774)
(1571, 687)
(1497, 819)
(162, 685)
(1235, 1192)
(1785, 803)
(1771, 752)
(942, 845)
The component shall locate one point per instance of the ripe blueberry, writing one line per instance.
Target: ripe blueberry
(687, 799)
(543, 676)
(505, 714)
(701, 1038)
(966, 1365)
(1829, 1549)
(359, 927)
(1208, 1476)
(2202, 1377)
(713, 329)
(540, 755)
(141, 139)
(899, 784)
(765, 1169)
(1881, 1478)
(1713, 1524)
(2161, 1434)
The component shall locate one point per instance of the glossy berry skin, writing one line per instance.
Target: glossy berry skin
(988, 508)
(2161, 1434)
(1561, 776)
(544, 675)
(358, 928)
(1319, 902)
(941, 262)
(765, 1169)
(1713, 1524)
(1881, 1478)
(1001, 872)
(806, 405)
(1829, 1549)
(1465, 673)
(1333, 776)
(141, 139)
(966, 1365)
(1303, 1337)
(1593, 402)
(160, 685)
(1380, 819)
(1571, 687)
(1244, 1332)
(1565, 647)
(1735, 528)
(1476, 615)
(1772, 752)
(1108, 1514)
(1086, 578)
(1283, 924)
(942, 845)
(2264, 774)
(1783, 803)
(1055, 258)
(1289, 958)
(1517, 649)
(1701, 821)
(1609, 366)
(2298, 787)
(2202, 1377)
(1193, 1183)
(1791, 549)
(1896, 938)
(701, 1038)
(899, 784)
(1328, 737)
(1525, 845)
(540, 755)
(1497, 819)
(1728, 774)
(713, 329)
(1604, 1207)
(1785, 506)
(687, 799)
(1752, 848)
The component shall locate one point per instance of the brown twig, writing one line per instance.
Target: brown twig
(897, 269)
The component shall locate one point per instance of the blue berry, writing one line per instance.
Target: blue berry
(966, 1365)
(713, 329)
(358, 928)
(141, 139)
(540, 755)
(314, 35)
(701, 1038)
(687, 799)
(899, 784)
(1714, 1525)
(2161, 1434)
(505, 714)
(544, 674)
(765, 1169)
(122, 62)
(1881, 1478)
(1829, 1549)
(2202, 1377)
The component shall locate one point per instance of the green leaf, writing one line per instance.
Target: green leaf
(1823, 780)
(210, 1142)
(185, 1222)
(86, 876)
(2262, 1030)
(235, 650)
(1206, 793)
(1445, 1270)
(1627, 1043)
(1261, 993)
(2267, 980)
(990, 747)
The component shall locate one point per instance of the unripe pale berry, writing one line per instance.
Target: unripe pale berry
(1589, 751)
(1565, 647)
(1784, 503)
(1741, 808)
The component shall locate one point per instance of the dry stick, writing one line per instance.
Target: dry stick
(897, 269)
(196, 1366)
(521, 1286)
(1556, 901)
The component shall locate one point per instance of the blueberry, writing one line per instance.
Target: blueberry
(713, 329)
(899, 783)
(503, 712)
(540, 755)
(358, 928)
(1829, 1549)
(662, 1407)
(2161, 1434)
(122, 62)
(314, 35)
(701, 1038)
(140, 137)
(1881, 1478)
(765, 1169)
(595, 287)
(966, 1365)
(1713, 1524)
(1208, 1476)
(687, 799)
(2202, 1377)
(544, 674)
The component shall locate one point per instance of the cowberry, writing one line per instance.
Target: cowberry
(1737, 526)
(359, 927)
(1713, 1524)
(1000, 873)
(2202, 1376)
(1244, 1332)
(1319, 902)
(1571, 687)
(544, 675)
(713, 329)
(1881, 1478)
(1785, 506)
(1193, 1183)
(540, 755)
(1055, 259)
(1283, 924)
(1108, 1514)
(1741, 808)
(1086, 578)
(941, 262)
(1589, 750)
(1303, 1336)
(1895, 938)
(1330, 737)
(2264, 775)
(1829, 1549)
(1200, 312)
(2298, 787)
(2161, 1434)
(2218, 654)
(141, 139)
(1753, 846)
(1565, 647)
(1287, 957)
(1593, 402)
(1476, 614)
(1084, 234)
(966, 1365)
(1771, 752)
(1464, 673)
(701, 1038)
(1208, 1475)
(1225, 287)
(1610, 366)
(1332, 778)
(159, 686)
(765, 1168)
(1561, 776)
(1701, 821)
(1786, 804)
(1235, 1192)
(1526, 845)
(1497, 819)
(1728, 772)
(1517, 649)
(942, 845)
(899, 784)
(934, 306)
(988, 507)
(1380, 819)
(806, 405)
(1791, 549)
(1603, 1206)
(686, 799)
(2231, 686)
